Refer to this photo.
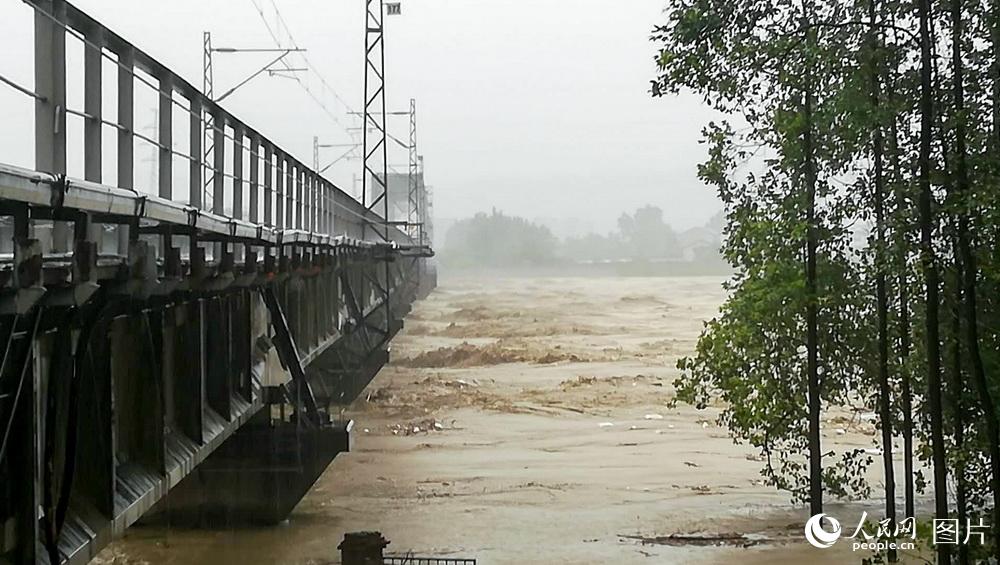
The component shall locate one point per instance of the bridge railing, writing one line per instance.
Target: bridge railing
(243, 183)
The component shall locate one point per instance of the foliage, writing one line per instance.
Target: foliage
(642, 235)
(498, 240)
(860, 184)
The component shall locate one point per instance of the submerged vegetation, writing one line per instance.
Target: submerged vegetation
(860, 176)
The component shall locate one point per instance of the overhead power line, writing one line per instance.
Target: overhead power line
(305, 58)
(303, 85)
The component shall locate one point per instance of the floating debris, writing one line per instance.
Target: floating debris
(412, 428)
(702, 539)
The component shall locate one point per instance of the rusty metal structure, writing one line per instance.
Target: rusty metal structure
(162, 356)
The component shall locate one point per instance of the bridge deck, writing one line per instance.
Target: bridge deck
(175, 354)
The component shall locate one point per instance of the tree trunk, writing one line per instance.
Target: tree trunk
(812, 330)
(969, 270)
(903, 313)
(994, 26)
(931, 282)
(884, 400)
(956, 387)
(957, 390)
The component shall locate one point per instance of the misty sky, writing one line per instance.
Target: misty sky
(536, 107)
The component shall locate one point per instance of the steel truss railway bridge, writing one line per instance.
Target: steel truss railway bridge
(181, 349)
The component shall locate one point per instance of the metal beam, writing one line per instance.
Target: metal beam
(238, 145)
(197, 136)
(165, 137)
(50, 107)
(255, 161)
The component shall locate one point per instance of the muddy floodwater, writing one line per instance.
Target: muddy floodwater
(524, 421)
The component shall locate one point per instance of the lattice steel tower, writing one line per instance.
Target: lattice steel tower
(414, 222)
(375, 197)
(374, 182)
(208, 88)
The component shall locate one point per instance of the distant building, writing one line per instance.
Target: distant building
(398, 194)
(698, 242)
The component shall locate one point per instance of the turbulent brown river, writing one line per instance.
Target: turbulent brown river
(525, 420)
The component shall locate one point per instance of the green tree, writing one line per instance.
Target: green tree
(498, 240)
(646, 236)
(877, 118)
(785, 340)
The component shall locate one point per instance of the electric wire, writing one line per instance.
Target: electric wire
(311, 67)
(169, 94)
(305, 58)
(298, 80)
(20, 386)
(155, 87)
